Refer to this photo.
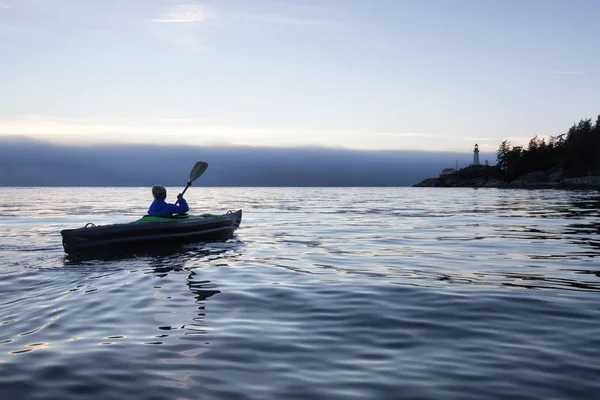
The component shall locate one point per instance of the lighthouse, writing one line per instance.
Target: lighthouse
(476, 155)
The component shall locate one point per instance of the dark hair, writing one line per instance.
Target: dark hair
(159, 192)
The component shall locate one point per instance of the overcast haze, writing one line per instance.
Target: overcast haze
(364, 75)
(27, 162)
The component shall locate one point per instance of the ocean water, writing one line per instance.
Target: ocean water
(324, 293)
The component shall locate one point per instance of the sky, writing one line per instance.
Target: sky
(430, 75)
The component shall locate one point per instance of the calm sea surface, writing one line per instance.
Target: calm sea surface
(324, 293)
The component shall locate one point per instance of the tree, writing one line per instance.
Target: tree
(577, 151)
(502, 154)
(596, 146)
(578, 159)
(534, 144)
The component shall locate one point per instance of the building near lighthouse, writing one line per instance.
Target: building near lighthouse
(447, 171)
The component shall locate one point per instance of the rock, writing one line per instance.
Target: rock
(552, 178)
(583, 181)
(431, 182)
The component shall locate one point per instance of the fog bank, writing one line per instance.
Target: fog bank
(29, 162)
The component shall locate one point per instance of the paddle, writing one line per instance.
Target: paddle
(195, 173)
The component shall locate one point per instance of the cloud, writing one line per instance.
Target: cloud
(407, 134)
(568, 72)
(202, 132)
(178, 131)
(428, 140)
(184, 13)
(520, 140)
(27, 162)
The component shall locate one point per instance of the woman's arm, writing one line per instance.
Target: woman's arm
(182, 208)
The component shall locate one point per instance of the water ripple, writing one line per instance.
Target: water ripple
(324, 293)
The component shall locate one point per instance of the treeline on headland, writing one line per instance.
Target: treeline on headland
(576, 152)
(569, 159)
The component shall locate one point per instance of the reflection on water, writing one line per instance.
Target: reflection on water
(170, 253)
(202, 290)
(585, 207)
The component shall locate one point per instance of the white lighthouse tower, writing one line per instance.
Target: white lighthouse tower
(476, 155)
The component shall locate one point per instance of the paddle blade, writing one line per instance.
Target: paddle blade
(198, 170)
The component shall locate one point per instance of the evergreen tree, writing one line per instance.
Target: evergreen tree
(596, 147)
(502, 153)
(577, 151)
(578, 158)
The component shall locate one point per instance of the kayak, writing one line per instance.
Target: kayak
(151, 231)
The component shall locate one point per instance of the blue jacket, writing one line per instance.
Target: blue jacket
(160, 208)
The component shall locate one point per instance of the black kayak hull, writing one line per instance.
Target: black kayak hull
(150, 234)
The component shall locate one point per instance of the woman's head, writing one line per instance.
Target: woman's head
(159, 192)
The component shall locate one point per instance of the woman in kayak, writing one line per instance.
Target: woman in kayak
(160, 208)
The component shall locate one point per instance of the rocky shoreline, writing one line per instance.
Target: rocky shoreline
(533, 180)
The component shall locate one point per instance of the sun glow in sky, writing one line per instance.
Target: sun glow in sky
(381, 74)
